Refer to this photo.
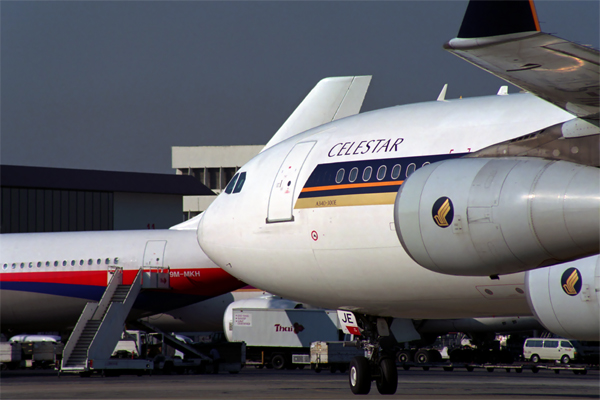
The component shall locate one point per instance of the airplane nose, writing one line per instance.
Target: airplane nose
(208, 236)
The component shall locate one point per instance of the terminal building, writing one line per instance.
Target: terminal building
(38, 199)
(213, 166)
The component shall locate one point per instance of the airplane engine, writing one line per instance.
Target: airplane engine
(264, 302)
(492, 216)
(564, 298)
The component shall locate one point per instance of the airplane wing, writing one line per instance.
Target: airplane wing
(329, 100)
(504, 38)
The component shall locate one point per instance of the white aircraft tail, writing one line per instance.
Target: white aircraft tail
(329, 100)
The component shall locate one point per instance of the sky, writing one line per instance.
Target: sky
(112, 85)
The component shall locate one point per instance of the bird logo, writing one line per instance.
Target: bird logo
(571, 281)
(443, 212)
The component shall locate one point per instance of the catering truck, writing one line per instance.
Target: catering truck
(281, 338)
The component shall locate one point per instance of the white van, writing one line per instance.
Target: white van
(536, 349)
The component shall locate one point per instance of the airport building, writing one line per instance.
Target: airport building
(37, 199)
(213, 166)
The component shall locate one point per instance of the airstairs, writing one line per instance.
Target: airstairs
(100, 325)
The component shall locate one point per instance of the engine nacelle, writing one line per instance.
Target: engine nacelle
(565, 298)
(478, 216)
(265, 302)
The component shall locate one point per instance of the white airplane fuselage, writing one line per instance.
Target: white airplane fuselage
(336, 247)
(47, 278)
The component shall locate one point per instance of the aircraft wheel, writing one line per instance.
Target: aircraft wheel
(388, 383)
(278, 361)
(360, 375)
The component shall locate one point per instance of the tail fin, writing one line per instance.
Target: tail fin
(329, 100)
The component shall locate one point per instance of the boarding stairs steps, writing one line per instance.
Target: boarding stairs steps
(100, 325)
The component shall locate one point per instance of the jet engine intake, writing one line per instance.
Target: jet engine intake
(492, 216)
(564, 298)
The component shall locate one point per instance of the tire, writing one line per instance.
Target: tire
(403, 356)
(535, 358)
(469, 368)
(422, 356)
(360, 375)
(565, 359)
(388, 383)
(278, 361)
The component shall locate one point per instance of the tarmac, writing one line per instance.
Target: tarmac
(252, 383)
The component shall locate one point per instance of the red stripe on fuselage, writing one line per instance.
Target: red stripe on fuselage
(203, 282)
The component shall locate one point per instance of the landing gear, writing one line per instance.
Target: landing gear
(360, 375)
(388, 381)
(380, 366)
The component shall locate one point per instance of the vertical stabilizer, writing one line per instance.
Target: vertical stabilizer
(329, 100)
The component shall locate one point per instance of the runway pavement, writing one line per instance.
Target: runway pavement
(300, 384)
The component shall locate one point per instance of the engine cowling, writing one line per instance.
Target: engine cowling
(478, 216)
(564, 298)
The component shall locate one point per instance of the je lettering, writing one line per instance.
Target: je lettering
(347, 319)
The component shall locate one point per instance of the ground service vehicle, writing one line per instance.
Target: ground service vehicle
(281, 338)
(536, 349)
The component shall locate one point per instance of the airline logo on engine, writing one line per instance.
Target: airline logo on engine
(571, 281)
(443, 212)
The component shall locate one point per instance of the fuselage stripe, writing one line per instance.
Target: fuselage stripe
(351, 186)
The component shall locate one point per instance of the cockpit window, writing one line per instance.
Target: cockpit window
(240, 183)
(231, 184)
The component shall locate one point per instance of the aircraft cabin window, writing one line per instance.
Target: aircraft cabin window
(72, 263)
(231, 184)
(90, 261)
(80, 262)
(56, 263)
(99, 261)
(116, 260)
(381, 172)
(39, 264)
(340, 175)
(240, 183)
(14, 265)
(353, 174)
(107, 261)
(30, 265)
(411, 168)
(396, 171)
(367, 174)
(5, 266)
(64, 263)
(47, 263)
(22, 265)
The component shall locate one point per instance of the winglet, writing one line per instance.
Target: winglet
(442, 95)
(494, 18)
(330, 100)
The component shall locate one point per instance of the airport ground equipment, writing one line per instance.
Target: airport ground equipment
(281, 338)
(10, 355)
(335, 356)
(35, 351)
(101, 323)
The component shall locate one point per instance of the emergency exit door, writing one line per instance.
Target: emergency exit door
(282, 193)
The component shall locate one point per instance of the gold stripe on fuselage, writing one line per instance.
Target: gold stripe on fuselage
(367, 199)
